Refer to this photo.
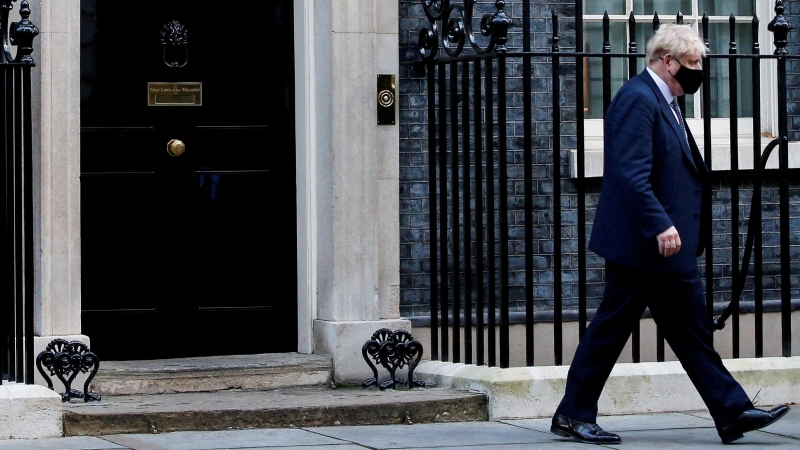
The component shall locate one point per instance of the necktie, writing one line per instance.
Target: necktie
(677, 110)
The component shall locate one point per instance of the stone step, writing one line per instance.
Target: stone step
(296, 407)
(213, 373)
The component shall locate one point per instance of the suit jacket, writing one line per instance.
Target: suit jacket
(652, 179)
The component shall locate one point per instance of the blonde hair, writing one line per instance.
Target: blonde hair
(676, 40)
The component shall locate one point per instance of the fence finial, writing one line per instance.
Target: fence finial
(500, 24)
(22, 34)
(780, 27)
(556, 39)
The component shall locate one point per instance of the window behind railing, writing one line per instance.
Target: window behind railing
(718, 12)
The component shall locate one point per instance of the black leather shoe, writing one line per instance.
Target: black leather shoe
(589, 433)
(750, 420)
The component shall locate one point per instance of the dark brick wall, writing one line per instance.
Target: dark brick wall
(414, 227)
(793, 70)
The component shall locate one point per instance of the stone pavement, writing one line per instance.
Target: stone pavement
(641, 431)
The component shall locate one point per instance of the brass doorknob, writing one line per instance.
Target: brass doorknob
(176, 147)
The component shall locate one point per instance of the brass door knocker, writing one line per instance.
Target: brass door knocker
(174, 34)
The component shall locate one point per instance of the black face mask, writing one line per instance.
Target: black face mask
(689, 79)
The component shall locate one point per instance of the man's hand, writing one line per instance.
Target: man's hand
(669, 242)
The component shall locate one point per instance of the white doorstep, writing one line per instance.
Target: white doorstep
(533, 392)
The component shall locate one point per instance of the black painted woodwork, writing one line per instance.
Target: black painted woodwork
(195, 254)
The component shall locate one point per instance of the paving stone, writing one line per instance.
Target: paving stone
(789, 425)
(212, 440)
(631, 422)
(69, 443)
(700, 438)
(458, 435)
(304, 447)
(538, 445)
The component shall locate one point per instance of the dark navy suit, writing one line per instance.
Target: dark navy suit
(653, 178)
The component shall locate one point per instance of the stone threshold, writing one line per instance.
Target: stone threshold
(297, 407)
(212, 373)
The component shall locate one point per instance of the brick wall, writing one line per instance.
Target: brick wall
(793, 69)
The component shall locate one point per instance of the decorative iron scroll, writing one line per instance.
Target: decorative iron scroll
(456, 23)
(393, 350)
(19, 34)
(174, 34)
(65, 359)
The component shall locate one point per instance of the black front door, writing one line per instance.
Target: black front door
(187, 178)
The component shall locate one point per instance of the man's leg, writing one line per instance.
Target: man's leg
(678, 307)
(605, 337)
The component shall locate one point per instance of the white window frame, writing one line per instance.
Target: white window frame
(720, 128)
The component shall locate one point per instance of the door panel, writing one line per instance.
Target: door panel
(118, 244)
(192, 254)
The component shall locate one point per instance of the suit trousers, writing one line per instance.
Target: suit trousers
(677, 305)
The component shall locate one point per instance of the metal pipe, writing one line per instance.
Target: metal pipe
(755, 212)
(443, 269)
(479, 333)
(454, 202)
(781, 27)
(434, 299)
(19, 250)
(636, 335)
(707, 213)
(27, 161)
(490, 231)
(7, 262)
(606, 63)
(503, 187)
(581, 181)
(734, 153)
(556, 158)
(528, 181)
(465, 151)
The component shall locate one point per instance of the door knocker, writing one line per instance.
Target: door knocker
(173, 35)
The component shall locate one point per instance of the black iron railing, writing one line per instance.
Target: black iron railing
(469, 207)
(16, 300)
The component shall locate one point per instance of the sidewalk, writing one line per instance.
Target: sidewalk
(643, 431)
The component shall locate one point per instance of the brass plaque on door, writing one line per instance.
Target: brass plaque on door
(174, 94)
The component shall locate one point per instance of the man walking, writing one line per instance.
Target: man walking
(648, 229)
